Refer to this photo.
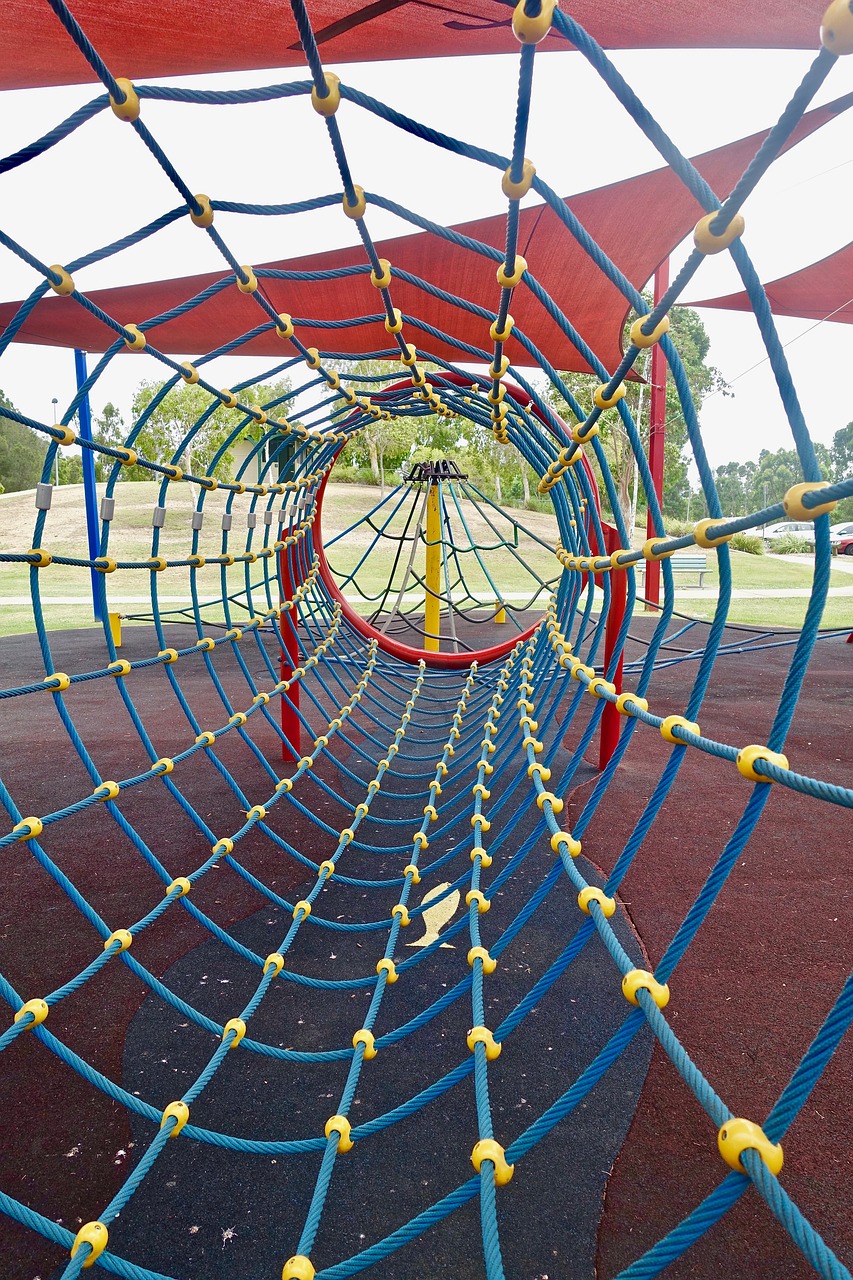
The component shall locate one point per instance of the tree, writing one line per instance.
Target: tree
(692, 343)
(22, 452)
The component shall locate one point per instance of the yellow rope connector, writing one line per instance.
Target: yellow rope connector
(573, 846)
(304, 907)
(482, 1035)
(704, 536)
(95, 1235)
(328, 105)
(635, 979)
(250, 284)
(383, 280)
(707, 242)
(389, 969)
(644, 340)
(180, 1112)
(411, 870)
(556, 804)
(66, 286)
(507, 281)
(238, 1026)
(297, 1268)
(476, 895)
(205, 218)
(57, 681)
(122, 936)
(736, 1136)
(518, 190)
(180, 887)
(671, 722)
(121, 667)
(836, 30)
(327, 867)
(628, 704)
(365, 1037)
(593, 894)
(129, 109)
(274, 963)
(39, 1010)
(481, 954)
(106, 791)
(402, 914)
(485, 858)
(747, 756)
(601, 401)
(340, 1126)
(136, 341)
(530, 30)
(358, 209)
(793, 501)
(488, 1149)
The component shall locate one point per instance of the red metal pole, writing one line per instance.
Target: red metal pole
(657, 429)
(290, 747)
(610, 718)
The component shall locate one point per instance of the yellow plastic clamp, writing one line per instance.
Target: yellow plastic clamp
(39, 1010)
(328, 867)
(556, 804)
(180, 1112)
(304, 907)
(593, 894)
(284, 326)
(598, 687)
(106, 791)
(395, 326)
(501, 335)
(136, 341)
(563, 838)
(250, 284)
(104, 564)
(122, 936)
(411, 870)
(482, 1035)
(205, 218)
(180, 887)
(488, 1149)
(168, 655)
(389, 969)
(643, 340)
(44, 558)
(481, 821)
(747, 756)
(365, 1037)
(327, 105)
(507, 281)
(129, 109)
(206, 642)
(655, 550)
(601, 401)
(274, 963)
(738, 1135)
(381, 281)
(238, 718)
(297, 1268)
(312, 358)
(793, 501)
(65, 285)
(95, 1235)
(517, 190)
(57, 682)
(476, 895)
(227, 398)
(836, 31)
(634, 979)
(121, 667)
(628, 704)
(157, 564)
(256, 813)
(205, 739)
(400, 911)
(540, 770)
(670, 723)
(705, 240)
(285, 784)
(583, 432)
(238, 1026)
(703, 536)
(163, 766)
(356, 210)
(340, 1126)
(489, 965)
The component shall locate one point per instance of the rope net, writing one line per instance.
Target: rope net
(326, 867)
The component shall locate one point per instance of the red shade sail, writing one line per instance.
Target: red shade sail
(823, 291)
(636, 222)
(184, 37)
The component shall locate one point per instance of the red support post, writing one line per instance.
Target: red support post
(290, 747)
(610, 717)
(657, 430)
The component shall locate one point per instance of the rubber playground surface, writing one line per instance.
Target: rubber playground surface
(629, 1163)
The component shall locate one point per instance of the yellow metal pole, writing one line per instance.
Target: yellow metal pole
(432, 577)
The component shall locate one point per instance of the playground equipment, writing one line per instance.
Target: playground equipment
(419, 772)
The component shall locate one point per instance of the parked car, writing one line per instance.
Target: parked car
(796, 528)
(845, 547)
(839, 531)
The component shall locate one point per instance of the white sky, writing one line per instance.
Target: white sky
(102, 183)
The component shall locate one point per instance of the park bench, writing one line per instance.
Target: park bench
(689, 562)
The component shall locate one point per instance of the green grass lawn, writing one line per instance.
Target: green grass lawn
(489, 572)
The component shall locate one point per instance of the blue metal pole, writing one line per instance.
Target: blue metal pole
(90, 493)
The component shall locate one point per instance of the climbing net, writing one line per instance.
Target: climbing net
(271, 791)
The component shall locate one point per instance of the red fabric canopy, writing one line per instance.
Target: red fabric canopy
(637, 222)
(823, 291)
(184, 37)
